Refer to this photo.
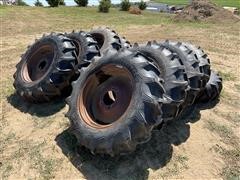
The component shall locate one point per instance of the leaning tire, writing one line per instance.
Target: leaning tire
(172, 74)
(191, 65)
(125, 43)
(114, 103)
(46, 68)
(107, 39)
(212, 89)
(204, 62)
(86, 47)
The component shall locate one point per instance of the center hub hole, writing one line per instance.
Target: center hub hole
(42, 65)
(109, 98)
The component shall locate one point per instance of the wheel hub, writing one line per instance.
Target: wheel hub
(111, 99)
(106, 96)
(38, 63)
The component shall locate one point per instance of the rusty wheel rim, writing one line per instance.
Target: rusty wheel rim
(105, 96)
(38, 64)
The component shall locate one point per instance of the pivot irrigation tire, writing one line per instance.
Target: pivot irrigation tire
(106, 39)
(191, 65)
(125, 43)
(86, 47)
(45, 70)
(109, 39)
(204, 62)
(172, 74)
(212, 89)
(113, 127)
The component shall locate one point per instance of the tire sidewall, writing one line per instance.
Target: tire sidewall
(81, 126)
(20, 82)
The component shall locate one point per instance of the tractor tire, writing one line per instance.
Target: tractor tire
(125, 43)
(109, 39)
(172, 74)
(212, 89)
(191, 65)
(45, 70)
(114, 104)
(86, 47)
(204, 62)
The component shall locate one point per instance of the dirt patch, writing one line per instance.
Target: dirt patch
(205, 10)
(135, 10)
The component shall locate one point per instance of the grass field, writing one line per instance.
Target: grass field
(230, 3)
(35, 143)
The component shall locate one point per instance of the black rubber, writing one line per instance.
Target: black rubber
(191, 65)
(142, 115)
(204, 62)
(125, 43)
(212, 89)
(172, 74)
(57, 79)
(86, 47)
(106, 39)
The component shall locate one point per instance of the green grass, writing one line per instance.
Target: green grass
(92, 16)
(3, 10)
(233, 117)
(178, 164)
(88, 15)
(231, 169)
(6, 171)
(45, 166)
(229, 99)
(57, 19)
(225, 132)
(237, 86)
(231, 156)
(227, 76)
(231, 3)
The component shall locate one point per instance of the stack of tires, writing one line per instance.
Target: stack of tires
(117, 92)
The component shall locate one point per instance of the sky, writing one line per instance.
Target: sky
(72, 3)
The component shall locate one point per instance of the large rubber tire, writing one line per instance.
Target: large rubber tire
(172, 74)
(42, 78)
(204, 62)
(109, 39)
(191, 65)
(135, 123)
(125, 43)
(86, 47)
(106, 39)
(212, 89)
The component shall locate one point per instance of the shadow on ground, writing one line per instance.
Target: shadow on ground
(155, 154)
(40, 110)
